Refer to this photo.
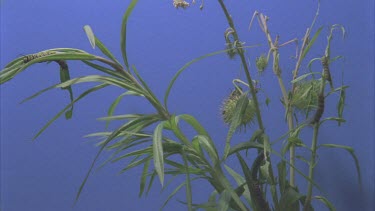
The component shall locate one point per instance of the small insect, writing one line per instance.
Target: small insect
(30, 57)
(319, 110)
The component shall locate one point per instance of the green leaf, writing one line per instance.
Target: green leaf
(157, 147)
(149, 91)
(289, 199)
(195, 124)
(117, 101)
(244, 146)
(206, 144)
(107, 71)
(351, 151)
(90, 35)
(8, 74)
(325, 201)
(124, 24)
(186, 66)
(224, 200)
(106, 52)
(236, 121)
(65, 76)
(341, 104)
(302, 77)
(172, 194)
(188, 183)
(136, 163)
(312, 41)
(96, 88)
(149, 118)
(240, 181)
(142, 184)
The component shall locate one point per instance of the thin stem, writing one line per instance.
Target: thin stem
(313, 152)
(246, 68)
(311, 167)
(275, 53)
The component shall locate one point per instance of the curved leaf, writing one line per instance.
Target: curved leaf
(124, 24)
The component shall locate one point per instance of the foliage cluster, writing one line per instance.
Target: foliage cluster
(262, 184)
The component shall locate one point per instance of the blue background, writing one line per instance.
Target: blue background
(45, 175)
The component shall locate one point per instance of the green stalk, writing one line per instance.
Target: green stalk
(313, 149)
(246, 68)
(311, 167)
(276, 69)
(251, 85)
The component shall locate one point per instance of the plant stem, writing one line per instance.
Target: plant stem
(313, 153)
(311, 167)
(246, 68)
(276, 69)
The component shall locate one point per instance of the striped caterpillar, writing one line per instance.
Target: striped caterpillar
(256, 188)
(326, 71)
(259, 196)
(319, 111)
(30, 57)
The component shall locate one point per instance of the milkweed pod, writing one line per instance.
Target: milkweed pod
(228, 109)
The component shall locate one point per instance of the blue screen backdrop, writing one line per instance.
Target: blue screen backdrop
(46, 174)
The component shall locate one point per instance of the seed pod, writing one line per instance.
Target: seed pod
(229, 106)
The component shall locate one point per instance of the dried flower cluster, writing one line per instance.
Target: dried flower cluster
(180, 3)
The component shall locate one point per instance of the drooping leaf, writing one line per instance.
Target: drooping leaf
(352, 153)
(302, 77)
(96, 88)
(325, 201)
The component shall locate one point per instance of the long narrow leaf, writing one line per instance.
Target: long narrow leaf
(144, 178)
(189, 197)
(124, 24)
(312, 41)
(157, 147)
(351, 151)
(124, 127)
(96, 88)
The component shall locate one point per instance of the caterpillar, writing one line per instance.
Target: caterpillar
(326, 71)
(30, 57)
(262, 203)
(256, 165)
(256, 188)
(319, 111)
